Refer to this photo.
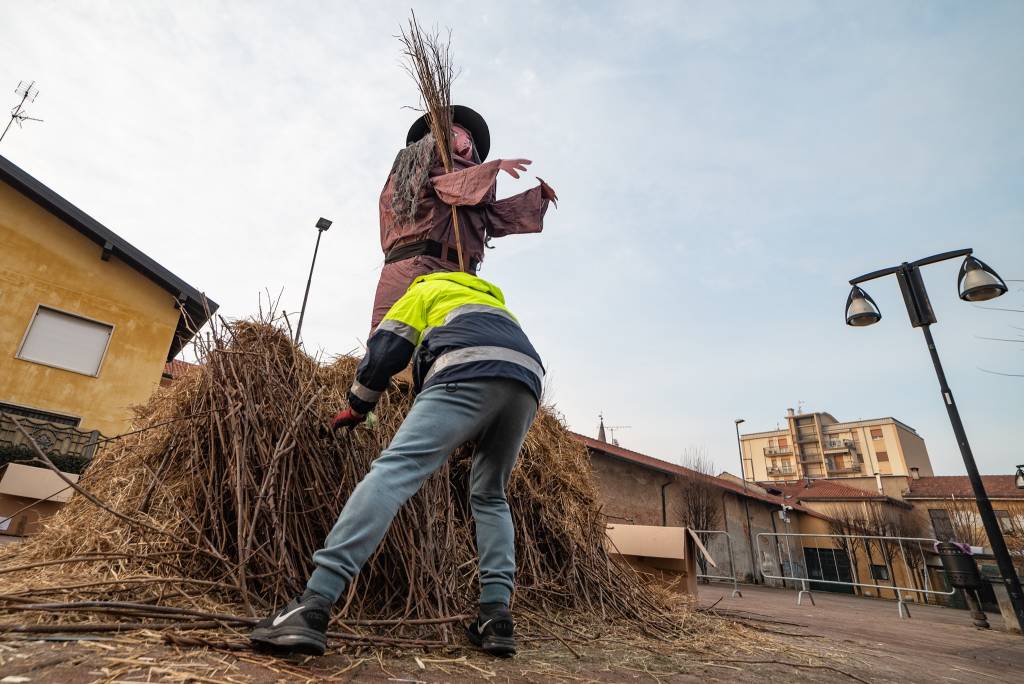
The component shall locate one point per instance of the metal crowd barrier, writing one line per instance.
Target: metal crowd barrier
(892, 552)
(706, 535)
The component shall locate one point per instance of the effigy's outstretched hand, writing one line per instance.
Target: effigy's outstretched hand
(514, 167)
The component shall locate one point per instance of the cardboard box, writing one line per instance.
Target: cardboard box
(665, 548)
(29, 495)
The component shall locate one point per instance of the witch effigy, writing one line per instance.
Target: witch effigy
(427, 213)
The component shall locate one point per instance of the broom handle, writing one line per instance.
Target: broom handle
(458, 241)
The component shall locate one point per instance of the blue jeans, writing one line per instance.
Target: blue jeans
(494, 412)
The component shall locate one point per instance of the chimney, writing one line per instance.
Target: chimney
(790, 412)
(878, 483)
(915, 473)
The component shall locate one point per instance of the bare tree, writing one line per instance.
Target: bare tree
(865, 524)
(844, 521)
(701, 494)
(964, 520)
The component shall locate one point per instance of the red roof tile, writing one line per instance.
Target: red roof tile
(822, 490)
(947, 486)
(177, 368)
(681, 471)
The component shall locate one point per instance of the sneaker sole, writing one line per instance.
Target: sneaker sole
(492, 644)
(499, 646)
(284, 640)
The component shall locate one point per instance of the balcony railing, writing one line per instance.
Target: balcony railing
(777, 450)
(775, 472)
(840, 445)
(50, 437)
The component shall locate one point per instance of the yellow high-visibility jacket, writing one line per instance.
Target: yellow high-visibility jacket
(459, 329)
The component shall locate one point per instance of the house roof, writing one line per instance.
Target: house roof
(824, 490)
(838, 426)
(672, 469)
(195, 307)
(830, 490)
(175, 368)
(948, 486)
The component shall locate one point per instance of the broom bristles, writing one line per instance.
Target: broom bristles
(429, 63)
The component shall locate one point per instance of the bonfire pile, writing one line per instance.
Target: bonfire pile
(209, 511)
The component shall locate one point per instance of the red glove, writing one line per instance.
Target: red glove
(347, 418)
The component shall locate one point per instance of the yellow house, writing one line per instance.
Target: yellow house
(87, 321)
(880, 453)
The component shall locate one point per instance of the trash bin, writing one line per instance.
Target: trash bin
(960, 567)
(962, 572)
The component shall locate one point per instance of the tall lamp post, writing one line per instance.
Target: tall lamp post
(976, 283)
(321, 226)
(746, 503)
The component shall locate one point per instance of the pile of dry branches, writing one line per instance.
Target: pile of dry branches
(211, 510)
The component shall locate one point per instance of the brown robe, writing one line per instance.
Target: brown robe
(471, 187)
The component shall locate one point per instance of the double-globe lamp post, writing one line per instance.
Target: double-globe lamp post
(976, 283)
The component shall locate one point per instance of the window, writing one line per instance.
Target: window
(941, 524)
(783, 443)
(879, 572)
(876, 433)
(66, 341)
(882, 456)
(1005, 522)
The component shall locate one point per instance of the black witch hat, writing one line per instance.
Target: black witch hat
(463, 116)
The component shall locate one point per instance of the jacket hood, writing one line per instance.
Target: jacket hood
(466, 280)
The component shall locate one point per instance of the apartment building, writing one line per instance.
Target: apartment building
(818, 446)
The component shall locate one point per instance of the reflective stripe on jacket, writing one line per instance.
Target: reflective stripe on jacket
(458, 327)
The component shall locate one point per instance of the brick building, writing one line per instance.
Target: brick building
(641, 490)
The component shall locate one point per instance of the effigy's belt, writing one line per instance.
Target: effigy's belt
(431, 248)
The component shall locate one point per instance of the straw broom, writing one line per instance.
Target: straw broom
(429, 63)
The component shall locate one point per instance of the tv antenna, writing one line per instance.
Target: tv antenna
(29, 93)
(611, 430)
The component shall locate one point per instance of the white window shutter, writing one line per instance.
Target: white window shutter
(66, 341)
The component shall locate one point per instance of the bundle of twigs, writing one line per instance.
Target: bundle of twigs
(428, 61)
(210, 512)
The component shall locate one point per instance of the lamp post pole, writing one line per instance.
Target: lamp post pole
(746, 503)
(921, 316)
(321, 226)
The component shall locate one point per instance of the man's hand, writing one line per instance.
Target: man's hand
(547, 192)
(513, 167)
(347, 418)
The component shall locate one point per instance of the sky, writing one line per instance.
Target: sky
(723, 168)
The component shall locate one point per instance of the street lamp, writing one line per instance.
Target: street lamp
(861, 309)
(321, 226)
(976, 283)
(746, 504)
(739, 446)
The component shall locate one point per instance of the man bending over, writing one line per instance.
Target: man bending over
(478, 378)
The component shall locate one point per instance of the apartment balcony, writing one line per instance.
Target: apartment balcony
(781, 472)
(844, 470)
(777, 450)
(840, 445)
